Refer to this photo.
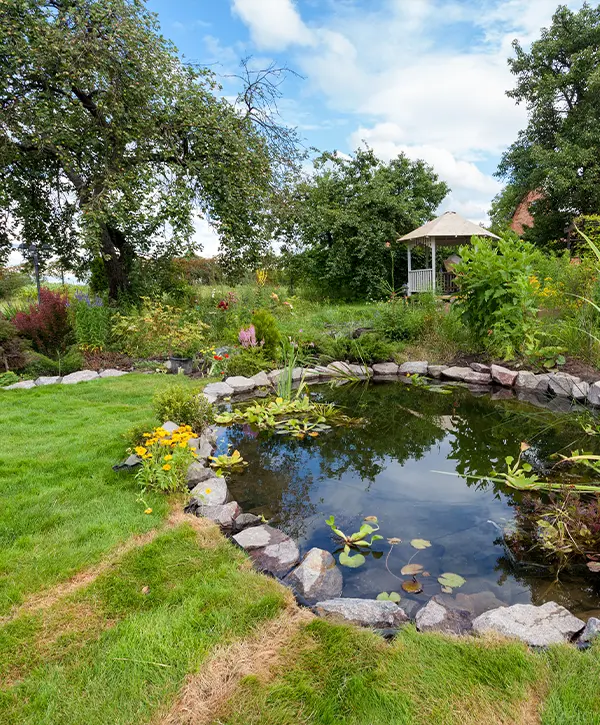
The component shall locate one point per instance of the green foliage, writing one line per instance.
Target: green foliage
(226, 463)
(165, 458)
(347, 212)
(558, 80)
(266, 329)
(184, 406)
(368, 348)
(401, 321)
(497, 299)
(11, 280)
(91, 323)
(248, 361)
(12, 347)
(8, 378)
(38, 364)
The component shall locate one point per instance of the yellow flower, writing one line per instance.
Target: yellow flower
(140, 450)
(167, 467)
(208, 490)
(168, 457)
(183, 444)
(148, 511)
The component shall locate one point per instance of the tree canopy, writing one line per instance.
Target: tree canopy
(558, 153)
(342, 217)
(104, 130)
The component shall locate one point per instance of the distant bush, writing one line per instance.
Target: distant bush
(267, 332)
(12, 351)
(183, 406)
(248, 362)
(11, 280)
(46, 324)
(369, 348)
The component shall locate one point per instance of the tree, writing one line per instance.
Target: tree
(343, 216)
(103, 129)
(559, 151)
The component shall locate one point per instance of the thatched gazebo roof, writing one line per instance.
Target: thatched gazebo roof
(448, 229)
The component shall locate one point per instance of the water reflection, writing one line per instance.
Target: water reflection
(386, 468)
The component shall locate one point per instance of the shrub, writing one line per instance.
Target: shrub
(11, 280)
(183, 406)
(248, 362)
(38, 364)
(267, 332)
(91, 322)
(497, 296)
(46, 324)
(398, 321)
(368, 348)
(8, 378)
(12, 353)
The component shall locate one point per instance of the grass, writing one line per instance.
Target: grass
(63, 507)
(178, 629)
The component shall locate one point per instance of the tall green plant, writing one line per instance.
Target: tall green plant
(497, 298)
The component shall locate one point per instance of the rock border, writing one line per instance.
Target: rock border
(81, 376)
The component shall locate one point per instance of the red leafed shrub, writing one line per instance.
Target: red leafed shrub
(46, 324)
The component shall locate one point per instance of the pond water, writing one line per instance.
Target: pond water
(389, 467)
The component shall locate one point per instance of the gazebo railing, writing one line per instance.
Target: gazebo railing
(420, 280)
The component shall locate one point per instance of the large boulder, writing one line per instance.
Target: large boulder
(22, 385)
(503, 376)
(435, 371)
(224, 515)
(48, 380)
(569, 386)
(112, 373)
(593, 395)
(316, 577)
(339, 368)
(80, 377)
(261, 379)
(414, 367)
(197, 473)
(270, 549)
(466, 375)
(363, 612)
(240, 384)
(212, 491)
(386, 368)
(436, 617)
(217, 390)
(537, 626)
(590, 632)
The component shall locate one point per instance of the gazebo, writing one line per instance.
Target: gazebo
(448, 230)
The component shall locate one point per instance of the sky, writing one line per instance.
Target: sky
(423, 77)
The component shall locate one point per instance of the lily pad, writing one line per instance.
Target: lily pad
(420, 543)
(411, 569)
(391, 597)
(447, 590)
(412, 586)
(453, 581)
(351, 561)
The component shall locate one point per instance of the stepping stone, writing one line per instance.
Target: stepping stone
(363, 612)
(536, 626)
(416, 367)
(48, 380)
(316, 577)
(83, 376)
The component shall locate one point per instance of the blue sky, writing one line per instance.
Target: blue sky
(425, 77)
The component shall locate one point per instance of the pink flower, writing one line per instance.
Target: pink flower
(247, 337)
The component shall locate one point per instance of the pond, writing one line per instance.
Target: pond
(390, 467)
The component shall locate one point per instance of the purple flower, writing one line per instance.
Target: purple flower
(247, 337)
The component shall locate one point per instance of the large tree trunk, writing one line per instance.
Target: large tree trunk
(118, 256)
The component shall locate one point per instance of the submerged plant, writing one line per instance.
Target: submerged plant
(358, 540)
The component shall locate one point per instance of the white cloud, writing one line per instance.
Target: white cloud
(205, 237)
(273, 24)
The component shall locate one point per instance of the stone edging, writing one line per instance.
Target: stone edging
(81, 376)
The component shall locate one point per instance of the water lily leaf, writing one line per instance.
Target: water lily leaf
(395, 597)
(352, 562)
(451, 580)
(447, 590)
(411, 569)
(362, 542)
(376, 537)
(420, 543)
(391, 597)
(594, 566)
(412, 586)
(394, 540)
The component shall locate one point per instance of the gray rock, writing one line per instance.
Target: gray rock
(274, 376)
(311, 374)
(415, 367)
(111, 373)
(197, 473)
(543, 381)
(244, 521)
(316, 577)
(210, 492)
(129, 463)
(435, 371)
(386, 368)
(480, 367)
(363, 612)
(169, 426)
(503, 376)
(466, 375)
(22, 385)
(210, 398)
(48, 380)
(590, 632)
(527, 380)
(240, 384)
(537, 626)
(363, 371)
(261, 379)
(593, 395)
(570, 386)
(224, 515)
(271, 550)
(435, 617)
(203, 446)
(218, 390)
(80, 377)
(322, 371)
(339, 368)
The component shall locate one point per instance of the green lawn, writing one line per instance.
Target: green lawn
(120, 648)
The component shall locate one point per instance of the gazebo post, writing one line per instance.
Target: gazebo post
(433, 264)
(408, 248)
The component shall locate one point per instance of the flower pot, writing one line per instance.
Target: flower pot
(183, 364)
